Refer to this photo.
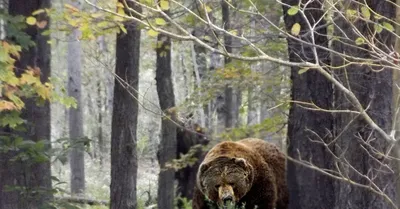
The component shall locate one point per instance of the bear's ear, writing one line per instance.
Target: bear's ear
(241, 162)
(203, 168)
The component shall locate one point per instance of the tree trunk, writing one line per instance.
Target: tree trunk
(100, 137)
(31, 179)
(77, 152)
(201, 63)
(236, 108)
(252, 115)
(308, 188)
(124, 162)
(374, 91)
(396, 104)
(168, 145)
(226, 114)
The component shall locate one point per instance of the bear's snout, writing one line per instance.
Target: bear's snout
(226, 195)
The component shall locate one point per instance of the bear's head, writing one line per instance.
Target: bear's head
(225, 180)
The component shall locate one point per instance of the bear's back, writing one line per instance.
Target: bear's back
(276, 161)
(270, 152)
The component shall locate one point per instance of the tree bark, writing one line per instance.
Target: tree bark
(168, 145)
(226, 114)
(77, 152)
(356, 139)
(308, 188)
(31, 178)
(396, 104)
(100, 137)
(124, 162)
(201, 63)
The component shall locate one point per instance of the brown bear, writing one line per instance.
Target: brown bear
(249, 173)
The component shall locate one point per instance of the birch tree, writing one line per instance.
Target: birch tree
(77, 152)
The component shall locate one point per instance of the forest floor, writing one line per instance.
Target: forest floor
(98, 179)
(147, 179)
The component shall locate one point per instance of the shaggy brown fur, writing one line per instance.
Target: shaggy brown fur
(249, 172)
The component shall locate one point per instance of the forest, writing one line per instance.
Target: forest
(115, 103)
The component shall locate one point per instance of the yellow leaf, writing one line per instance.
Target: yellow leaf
(295, 29)
(3, 55)
(31, 20)
(388, 26)
(208, 9)
(152, 33)
(72, 8)
(359, 41)
(365, 12)
(43, 91)
(96, 15)
(28, 78)
(118, 18)
(121, 11)
(17, 101)
(6, 45)
(303, 70)
(164, 4)
(160, 21)
(39, 11)
(293, 10)
(102, 24)
(6, 105)
(122, 27)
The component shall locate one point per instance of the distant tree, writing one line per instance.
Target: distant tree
(306, 126)
(168, 145)
(124, 160)
(225, 113)
(25, 177)
(77, 157)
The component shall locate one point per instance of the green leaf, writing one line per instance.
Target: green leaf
(208, 9)
(378, 16)
(3, 55)
(295, 29)
(122, 27)
(388, 26)
(360, 41)
(350, 13)
(293, 10)
(160, 21)
(303, 70)
(365, 12)
(46, 32)
(11, 119)
(102, 24)
(31, 20)
(152, 33)
(378, 28)
(164, 4)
